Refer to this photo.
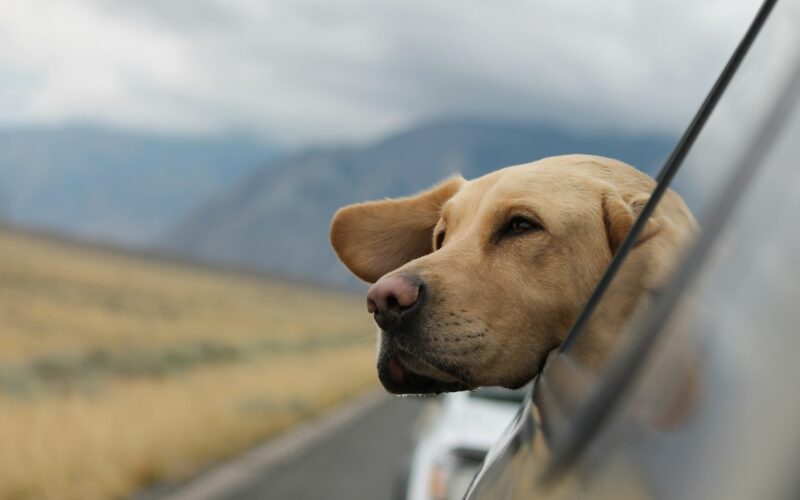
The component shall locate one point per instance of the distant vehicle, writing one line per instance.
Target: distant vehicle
(700, 399)
(453, 435)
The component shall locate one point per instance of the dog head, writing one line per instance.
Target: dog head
(476, 281)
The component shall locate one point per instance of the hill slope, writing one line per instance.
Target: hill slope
(113, 185)
(278, 219)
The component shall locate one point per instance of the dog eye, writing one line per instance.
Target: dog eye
(520, 225)
(439, 240)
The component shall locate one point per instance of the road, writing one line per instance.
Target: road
(355, 453)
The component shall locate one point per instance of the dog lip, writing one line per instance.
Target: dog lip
(424, 369)
(398, 378)
(397, 372)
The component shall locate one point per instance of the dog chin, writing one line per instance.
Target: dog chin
(402, 374)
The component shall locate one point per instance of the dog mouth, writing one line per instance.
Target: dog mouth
(401, 373)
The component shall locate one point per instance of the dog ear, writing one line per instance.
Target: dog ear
(377, 237)
(619, 215)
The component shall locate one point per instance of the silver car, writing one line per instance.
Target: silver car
(727, 327)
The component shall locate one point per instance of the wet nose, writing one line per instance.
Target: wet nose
(392, 299)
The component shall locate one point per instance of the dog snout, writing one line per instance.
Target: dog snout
(393, 300)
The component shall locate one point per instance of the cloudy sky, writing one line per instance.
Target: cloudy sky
(300, 71)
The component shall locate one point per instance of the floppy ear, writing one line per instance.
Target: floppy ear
(377, 237)
(619, 215)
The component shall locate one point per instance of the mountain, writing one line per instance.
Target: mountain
(277, 219)
(113, 185)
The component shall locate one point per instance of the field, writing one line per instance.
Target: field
(118, 371)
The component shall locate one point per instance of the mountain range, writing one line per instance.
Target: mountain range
(113, 185)
(276, 219)
(240, 202)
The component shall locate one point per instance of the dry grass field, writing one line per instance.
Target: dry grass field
(118, 371)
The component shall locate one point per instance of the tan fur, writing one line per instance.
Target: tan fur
(499, 305)
(378, 237)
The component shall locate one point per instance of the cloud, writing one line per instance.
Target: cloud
(314, 70)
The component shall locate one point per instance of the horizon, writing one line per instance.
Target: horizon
(137, 189)
(283, 149)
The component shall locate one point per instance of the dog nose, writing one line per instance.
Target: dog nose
(392, 298)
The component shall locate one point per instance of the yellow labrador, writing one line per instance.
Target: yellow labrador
(475, 281)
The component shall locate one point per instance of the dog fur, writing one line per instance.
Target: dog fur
(500, 294)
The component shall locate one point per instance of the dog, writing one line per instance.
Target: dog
(476, 281)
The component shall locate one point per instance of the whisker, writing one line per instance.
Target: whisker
(433, 203)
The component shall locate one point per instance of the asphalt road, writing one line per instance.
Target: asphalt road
(354, 453)
(359, 461)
